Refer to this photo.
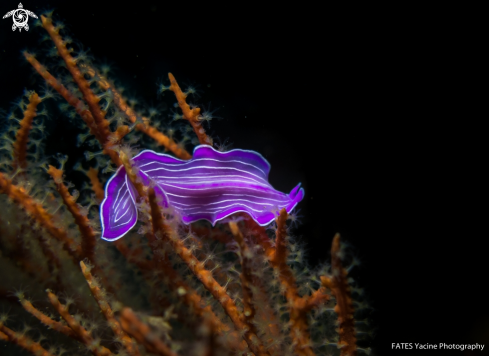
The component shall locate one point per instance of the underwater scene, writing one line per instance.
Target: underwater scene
(182, 179)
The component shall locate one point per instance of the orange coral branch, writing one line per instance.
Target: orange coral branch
(315, 299)
(36, 211)
(146, 128)
(79, 105)
(259, 234)
(23, 341)
(81, 82)
(280, 254)
(20, 144)
(259, 297)
(133, 177)
(96, 185)
(189, 296)
(279, 258)
(344, 307)
(142, 333)
(164, 140)
(246, 277)
(205, 277)
(83, 335)
(297, 305)
(54, 262)
(192, 115)
(98, 294)
(46, 320)
(88, 235)
(64, 92)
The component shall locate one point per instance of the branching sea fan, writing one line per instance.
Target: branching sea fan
(200, 257)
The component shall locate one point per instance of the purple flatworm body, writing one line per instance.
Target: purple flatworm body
(210, 186)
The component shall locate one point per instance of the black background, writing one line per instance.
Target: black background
(372, 109)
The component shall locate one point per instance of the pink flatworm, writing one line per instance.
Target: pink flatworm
(210, 186)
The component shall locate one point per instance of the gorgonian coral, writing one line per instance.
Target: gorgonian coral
(235, 287)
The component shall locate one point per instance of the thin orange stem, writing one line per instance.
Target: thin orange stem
(338, 284)
(192, 115)
(99, 296)
(145, 127)
(142, 333)
(189, 296)
(76, 103)
(259, 234)
(23, 341)
(88, 234)
(46, 320)
(198, 269)
(20, 144)
(297, 305)
(83, 334)
(42, 217)
(89, 97)
(97, 187)
(132, 175)
(246, 277)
